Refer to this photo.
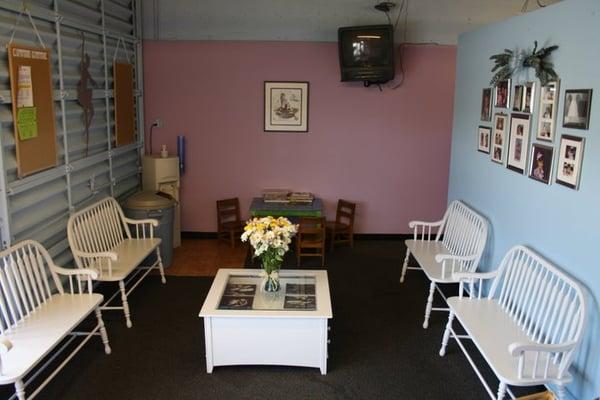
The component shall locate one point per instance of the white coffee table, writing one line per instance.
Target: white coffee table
(245, 326)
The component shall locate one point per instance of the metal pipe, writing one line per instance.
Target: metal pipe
(107, 102)
(63, 116)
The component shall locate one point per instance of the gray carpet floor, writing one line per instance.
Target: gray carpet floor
(378, 349)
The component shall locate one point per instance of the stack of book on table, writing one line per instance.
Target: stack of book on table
(275, 195)
(301, 197)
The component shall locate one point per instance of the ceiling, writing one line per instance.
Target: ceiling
(429, 21)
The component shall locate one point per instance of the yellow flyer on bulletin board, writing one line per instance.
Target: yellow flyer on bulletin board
(27, 122)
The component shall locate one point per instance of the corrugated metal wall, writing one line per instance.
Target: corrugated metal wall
(38, 206)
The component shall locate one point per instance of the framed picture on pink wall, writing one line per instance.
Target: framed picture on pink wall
(286, 107)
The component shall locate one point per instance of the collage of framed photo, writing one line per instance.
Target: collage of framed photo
(508, 140)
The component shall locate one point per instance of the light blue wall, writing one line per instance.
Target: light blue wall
(560, 223)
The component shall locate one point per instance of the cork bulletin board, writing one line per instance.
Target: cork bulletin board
(32, 108)
(124, 103)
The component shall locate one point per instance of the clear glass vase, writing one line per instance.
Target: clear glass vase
(271, 269)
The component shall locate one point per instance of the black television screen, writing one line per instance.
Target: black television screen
(366, 53)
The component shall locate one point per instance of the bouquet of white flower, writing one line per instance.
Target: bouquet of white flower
(270, 237)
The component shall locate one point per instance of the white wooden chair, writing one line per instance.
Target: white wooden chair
(528, 326)
(34, 320)
(453, 244)
(100, 239)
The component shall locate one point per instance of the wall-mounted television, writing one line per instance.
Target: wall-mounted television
(366, 53)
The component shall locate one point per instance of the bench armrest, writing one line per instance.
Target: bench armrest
(150, 221)
(109, 256)
(141, 225)
(471, 278)
(542, 355)
(75, 271)
(452, 264)
(424, 226)
(516, 349)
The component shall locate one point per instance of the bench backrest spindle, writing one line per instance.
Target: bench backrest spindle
(548, 305)
(24, 285)
(464, 233)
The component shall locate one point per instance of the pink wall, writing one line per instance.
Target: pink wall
(388, 151)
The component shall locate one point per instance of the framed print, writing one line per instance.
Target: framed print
(540, 165)
(547, 111)
(577, 109)
(483, 140)
(518, 142)
(497, 147)
(528, 97)
(486, 105)
(570, 158)
(502, 94)
(518, 98)
(286, 107)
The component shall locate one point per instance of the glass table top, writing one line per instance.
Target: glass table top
(244, 292)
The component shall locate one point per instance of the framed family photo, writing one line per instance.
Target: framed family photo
(547, 110)
(286, 107)
(498, 137)
(486, 105)
(518, 142)
(483, 141)
(523, 98)
(570, 158)
(577, 108)
(502, 94)
(540, 165)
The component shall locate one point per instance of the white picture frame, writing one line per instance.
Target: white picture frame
(570, 161)
(548, 109)
(498, 138)
(518, 142)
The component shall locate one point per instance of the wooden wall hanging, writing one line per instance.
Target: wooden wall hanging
(123, 96)
(32, 108)
(124, 103)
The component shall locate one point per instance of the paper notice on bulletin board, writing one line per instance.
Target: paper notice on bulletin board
(27, 122)
(25, 87)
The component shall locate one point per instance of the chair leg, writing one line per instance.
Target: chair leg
(501, 391)
(446, 334)
(429, 305)
(125, 304)
(232, 238)
(351, 234)
(405, 265)
(160, 265)
(103, 333)
(20, 390)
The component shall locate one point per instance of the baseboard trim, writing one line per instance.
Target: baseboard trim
(358, 236)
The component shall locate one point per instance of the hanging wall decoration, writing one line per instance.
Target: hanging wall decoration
(85, 93)
(124, 99)
(32, 104)
(547, 111)
(508, 62)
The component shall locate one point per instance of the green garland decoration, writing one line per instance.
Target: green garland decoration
(538, 60)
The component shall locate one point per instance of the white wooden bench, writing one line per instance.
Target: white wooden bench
(34, 320)
(528, 326)
(453, 244)
(100, 239)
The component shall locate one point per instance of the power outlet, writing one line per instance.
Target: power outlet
(158, 122)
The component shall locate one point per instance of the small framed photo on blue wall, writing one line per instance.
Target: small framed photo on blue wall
(570, 159)
(540, 166)
(578, 104)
